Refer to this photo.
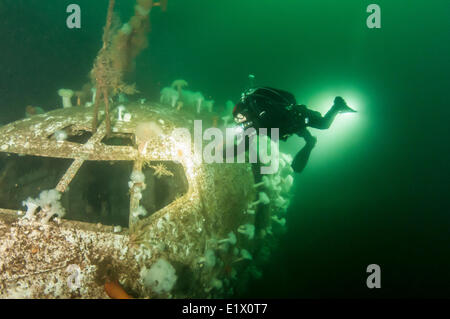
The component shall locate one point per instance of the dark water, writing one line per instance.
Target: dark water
(376, 188)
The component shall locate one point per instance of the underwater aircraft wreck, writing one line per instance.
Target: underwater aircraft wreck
(83, 211)
(107, 200)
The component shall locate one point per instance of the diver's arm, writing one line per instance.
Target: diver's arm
(308, 137)
(302, 157)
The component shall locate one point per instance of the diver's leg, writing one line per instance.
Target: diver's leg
(301, 159)
(323, 123)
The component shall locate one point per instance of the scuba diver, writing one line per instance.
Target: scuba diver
(266, 107)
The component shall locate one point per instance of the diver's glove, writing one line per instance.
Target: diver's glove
(341, 106)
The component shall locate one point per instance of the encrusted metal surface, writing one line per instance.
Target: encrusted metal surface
(34, 258)
(32, 136)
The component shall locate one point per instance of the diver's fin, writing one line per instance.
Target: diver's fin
(342, 106)
(347, 109)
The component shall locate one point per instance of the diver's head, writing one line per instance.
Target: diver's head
(240, 118)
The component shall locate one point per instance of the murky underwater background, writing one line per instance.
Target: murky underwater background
(376, 187)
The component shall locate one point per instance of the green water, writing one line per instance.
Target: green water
(376, 187)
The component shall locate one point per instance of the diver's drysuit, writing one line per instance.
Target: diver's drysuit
(267, 107)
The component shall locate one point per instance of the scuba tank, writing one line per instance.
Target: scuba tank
(272, 108)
